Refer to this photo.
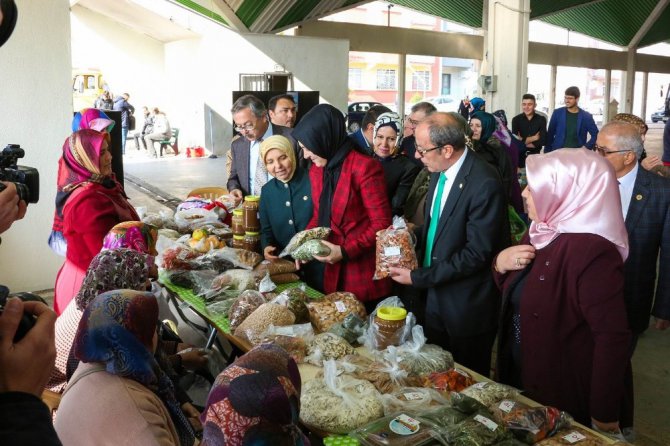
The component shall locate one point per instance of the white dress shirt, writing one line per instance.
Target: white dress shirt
(254, 153)
(451, 176)
(626, 185)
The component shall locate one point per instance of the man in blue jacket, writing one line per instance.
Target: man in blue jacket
(570, 124)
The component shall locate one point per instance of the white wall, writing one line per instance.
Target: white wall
(36, 112)
(130, 62)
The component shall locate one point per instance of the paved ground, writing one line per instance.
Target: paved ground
(176, 176)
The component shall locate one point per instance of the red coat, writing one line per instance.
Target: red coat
(360, 209)
(575, 342)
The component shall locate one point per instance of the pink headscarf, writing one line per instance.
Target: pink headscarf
(575, 191)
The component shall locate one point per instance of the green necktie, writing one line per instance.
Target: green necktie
(434, 219)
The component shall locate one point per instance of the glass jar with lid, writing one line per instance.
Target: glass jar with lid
(237, 222)
(252, 221)
(252, 241)
(238, 242)
(388, 324)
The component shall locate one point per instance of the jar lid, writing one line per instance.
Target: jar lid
(238, 237)
(391, 313)
(252, 198)
(252, 234)
(238, 212)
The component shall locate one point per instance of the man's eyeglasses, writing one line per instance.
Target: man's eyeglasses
(604, 151)
(422, 152)
(247, 127)
(413, 122)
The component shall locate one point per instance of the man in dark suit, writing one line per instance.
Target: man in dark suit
(466, 226)
(247, 170)
(363, 136)
(645, 202)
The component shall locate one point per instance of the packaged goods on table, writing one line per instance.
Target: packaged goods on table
(202, 282)
(351, 328)
(169, 233)
(221, 306)
(281, 279)
(386, 376)
(243, 306)
(178, 258)
(333, 308)
(395, 248)
(453, 380)
(188, 219)
(338, 404)
(181, 277)
(327, 346)
(294, 346)
(398, 429)
(419, 358)
(301, 237)
(237, 279)
(412, 399)
(573, 436)
(257, 323)
(529, 424)
(310, 249)
(488, 392)
(162, 220)
(240, 258)
(390, 324)
(460, 409)
(294, 299)
(479, 429)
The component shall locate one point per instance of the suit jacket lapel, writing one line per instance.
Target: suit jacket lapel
(640, 189)
(459, 183)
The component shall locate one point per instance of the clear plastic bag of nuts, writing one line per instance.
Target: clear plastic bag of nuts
(333, 308)
(395, 248)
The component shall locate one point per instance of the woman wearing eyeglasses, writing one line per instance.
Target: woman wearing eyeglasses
(349, 195)
(399, 171)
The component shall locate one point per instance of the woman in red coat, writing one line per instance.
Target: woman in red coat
(349, 194)
(92, 203)
(564, 335)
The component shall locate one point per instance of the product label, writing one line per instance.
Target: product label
(490, 424)
(574, 437)
(341, 307)
(461, 372)
(481, 385)
(404, 425)
(413, 396)
(390, 251)
(506, 405)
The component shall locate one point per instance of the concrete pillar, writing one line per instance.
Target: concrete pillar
(552, 89)
(645, 82)
(402, 69)
(505, 52)
(607, 96)
(629, 91)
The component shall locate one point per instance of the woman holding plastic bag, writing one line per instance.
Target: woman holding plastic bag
(350, 198)
(564, 336)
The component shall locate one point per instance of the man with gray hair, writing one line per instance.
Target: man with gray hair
(645, 202)
(417, 114)
(247, 169)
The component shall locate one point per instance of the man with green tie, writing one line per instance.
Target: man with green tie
(465, 227)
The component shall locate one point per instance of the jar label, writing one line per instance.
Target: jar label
(574, 437)
(404, 425)
(390, 251)
(341, 307)
(490, 424)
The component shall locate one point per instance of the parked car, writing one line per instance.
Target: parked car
(355, 113)
(659, 115)
(444, 103)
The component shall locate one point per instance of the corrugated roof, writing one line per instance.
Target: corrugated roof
(249, 11)
(467, 12)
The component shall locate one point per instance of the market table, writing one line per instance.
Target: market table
(307, 371)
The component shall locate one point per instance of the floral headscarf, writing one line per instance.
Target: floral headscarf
(392, 120)
(256, 400)
(117, 329)
(92, 118)
(134, 235)
(112, 270)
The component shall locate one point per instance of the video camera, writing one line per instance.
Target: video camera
(26, 179)
(27, 320)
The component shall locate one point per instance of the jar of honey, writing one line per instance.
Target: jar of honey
(238, 242)
(252, 241)
(388, 325)
(252, 221)
(237, 222)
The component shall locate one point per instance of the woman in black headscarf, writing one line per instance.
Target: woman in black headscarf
(349, 194)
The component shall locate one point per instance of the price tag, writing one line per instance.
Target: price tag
(506, 405)
(413, 396)
(461, 372)
(390, 251)
(404, 425)
(341, 307)
(574, 437)
(481, 385)
(490, 424)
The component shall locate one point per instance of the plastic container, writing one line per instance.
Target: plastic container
(252, 241)
(238, 242)
(237, 222)
(252, 221)
(389, 321)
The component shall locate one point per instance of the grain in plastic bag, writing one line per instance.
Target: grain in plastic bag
(395, 248)
(387, 376)
(243, 306)
(419, 358)
(412, 399)
(257, 323)
(489, 392)
(338, 403)
(530, 424)
(326, 346)
(235, 279)
(318, 233)
(294, 299)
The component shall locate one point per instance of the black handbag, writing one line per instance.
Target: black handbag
(131, 121)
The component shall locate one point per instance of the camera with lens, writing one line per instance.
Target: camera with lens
(26, 179)
(27, 320)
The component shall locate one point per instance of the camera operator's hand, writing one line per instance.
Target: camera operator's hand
(26, 365)
(11, 209)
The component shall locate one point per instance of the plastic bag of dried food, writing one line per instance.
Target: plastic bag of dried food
(154, 220)
(202, 282)
(180, 278)
(294, 299)
(303, 331)
(398, 429)
(386, 377)
(419, 358)
(478, 429)
(294, 346)
(257, 323)
(301, 237)
(529, 424)
(452, 380)
(235, 279)
(461, 408)
(310, 249)
(338, 403)
(275, 267)
(489, 392)
(327, 346)
(574, 436)
(281, 279)
(333, 308)
(243, 306)
(177, 257)
(395, 247)
(187, 219)
(351, 328)
(240, 258)
(266, 285)
(220, 307)
(170, 234)
(412, 399)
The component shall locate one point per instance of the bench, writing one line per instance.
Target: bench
(172, 142)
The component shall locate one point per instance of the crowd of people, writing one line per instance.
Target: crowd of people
(566, 300)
